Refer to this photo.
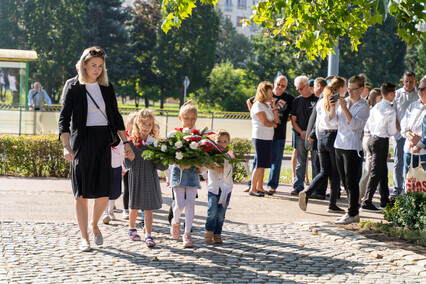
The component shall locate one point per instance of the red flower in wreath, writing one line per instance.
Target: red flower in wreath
(195, 132)
(207, 149)
(179, 129)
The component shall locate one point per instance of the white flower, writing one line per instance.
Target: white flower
(155, 143)
(178, 144)
(186, 130)
(179, 155)
(163, 148)
(172, 134)
(193, 145)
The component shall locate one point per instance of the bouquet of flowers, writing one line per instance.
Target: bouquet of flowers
(188, 147)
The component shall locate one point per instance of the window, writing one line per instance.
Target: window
(228, 5)
(242, 4)
(238, 23)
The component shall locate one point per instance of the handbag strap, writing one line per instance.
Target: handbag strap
(98, 106)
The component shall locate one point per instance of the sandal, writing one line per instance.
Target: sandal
(149, 242)
(271, 191)
(133, 235)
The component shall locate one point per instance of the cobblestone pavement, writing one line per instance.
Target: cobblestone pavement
(290, 252)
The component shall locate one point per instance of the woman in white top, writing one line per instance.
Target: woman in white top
(85, 134)
(264, 119)
(350, 118)
(326, 133)
(411, 129)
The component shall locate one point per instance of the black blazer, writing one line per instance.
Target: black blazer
(74, 111)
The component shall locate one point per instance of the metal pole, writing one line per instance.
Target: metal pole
(167, 122)
(212, 121)
(333, 61)
(20, 119)
(27, 71)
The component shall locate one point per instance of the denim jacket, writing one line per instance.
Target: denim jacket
(422, 142)
(189, 177)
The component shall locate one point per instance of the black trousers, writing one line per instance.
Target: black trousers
(379, 148)
(348, 163)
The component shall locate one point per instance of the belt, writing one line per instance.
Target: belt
(329, 131)
(378, 137)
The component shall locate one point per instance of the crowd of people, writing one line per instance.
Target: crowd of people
(340, 132)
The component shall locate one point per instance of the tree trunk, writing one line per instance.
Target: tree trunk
(162, 98)
(146, 102)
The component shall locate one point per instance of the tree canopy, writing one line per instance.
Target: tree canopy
(314, 26)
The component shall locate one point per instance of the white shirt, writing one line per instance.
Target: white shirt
(260, 131)
(412, 121)
(349, 134)
(401, 102)
(382, 120)
(216, 180)
(323, 118)
(94, 116)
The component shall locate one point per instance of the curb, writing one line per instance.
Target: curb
(407, 260)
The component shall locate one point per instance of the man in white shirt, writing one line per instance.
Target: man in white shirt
(37, 97)
(403, 98)
(381, 124)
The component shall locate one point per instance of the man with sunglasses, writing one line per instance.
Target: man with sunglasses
(403, 98)
(300, 113)
(283, 104)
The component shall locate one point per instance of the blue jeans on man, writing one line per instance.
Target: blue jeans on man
(302, 155)
(277, 158)
(216, 213)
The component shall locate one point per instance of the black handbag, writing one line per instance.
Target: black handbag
(114, 138)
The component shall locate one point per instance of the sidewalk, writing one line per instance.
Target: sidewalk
(266, 240)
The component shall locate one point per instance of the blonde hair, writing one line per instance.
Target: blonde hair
(144, 114)
(85, 57)
(360, 80)
(222, 132)
(188, 107)
(130, 119)
(262, 92)
(331, 89)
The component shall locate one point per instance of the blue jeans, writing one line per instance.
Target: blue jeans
(216, 213)
(302, 154)
(398, 166)
(277, 158)
(252, 170)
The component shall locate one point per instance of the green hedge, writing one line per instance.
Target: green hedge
(36, 156)
(409, 210)
(241, 148)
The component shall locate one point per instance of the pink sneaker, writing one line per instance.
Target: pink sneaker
(187, 240)
(175, 230)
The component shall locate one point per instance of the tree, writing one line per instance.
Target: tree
(188, 51)
(232, 46)
(421, 61)
(12, 33)
(315, 26)
(54, 31)
(227, 89)
(143, 28)
(104, 25)
(380, 55)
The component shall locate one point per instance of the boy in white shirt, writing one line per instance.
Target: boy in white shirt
(219, 186)
(381, 124)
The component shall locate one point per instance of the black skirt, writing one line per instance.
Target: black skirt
(91, 171)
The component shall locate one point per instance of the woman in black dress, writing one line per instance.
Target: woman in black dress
(89, 105)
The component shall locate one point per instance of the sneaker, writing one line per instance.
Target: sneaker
(106, 219)
(217, 239)
(335, 209)
(208, 237)
(112, 216)
(133, 235)
(175, 230)
(84, 246)
(346, 219)
(187, 240)
(294, 192)
(369, 208)
(126, 214)
(303, 200)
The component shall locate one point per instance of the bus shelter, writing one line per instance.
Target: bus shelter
(14, 69)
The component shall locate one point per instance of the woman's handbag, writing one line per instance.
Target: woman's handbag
(416, 178)
(114, 138)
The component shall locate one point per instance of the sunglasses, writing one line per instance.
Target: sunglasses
(300, 89)
(281, 85)
(351, 90)
(422, 89)
(97, 53)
